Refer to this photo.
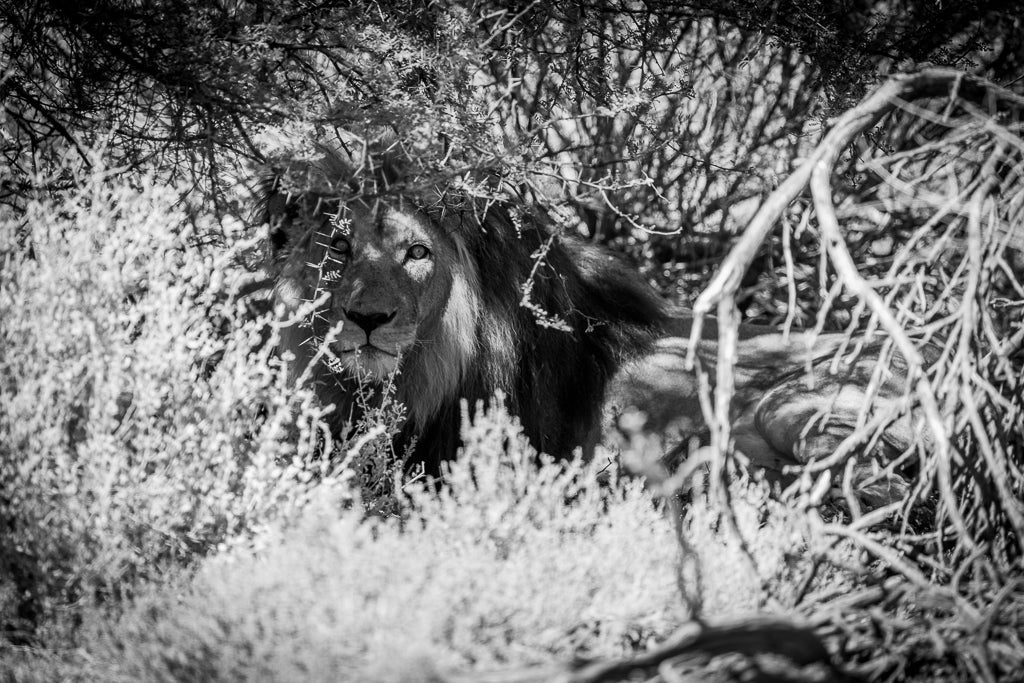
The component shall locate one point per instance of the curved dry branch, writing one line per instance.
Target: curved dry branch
(798, 646)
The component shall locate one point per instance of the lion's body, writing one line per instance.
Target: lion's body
(468, 300)
(792, 404)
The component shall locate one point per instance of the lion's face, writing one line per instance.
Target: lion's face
(384, 275)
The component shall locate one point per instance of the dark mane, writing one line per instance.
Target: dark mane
(553, 379)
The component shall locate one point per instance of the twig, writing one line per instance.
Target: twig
(761, 635)
(766, 635)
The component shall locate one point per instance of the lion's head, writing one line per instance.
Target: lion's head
(394, 290)
(378, 280)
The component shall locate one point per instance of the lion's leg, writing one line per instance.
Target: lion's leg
(810, 424)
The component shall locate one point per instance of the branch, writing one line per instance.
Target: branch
(778, 637)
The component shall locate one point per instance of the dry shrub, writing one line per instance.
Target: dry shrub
(142, 420)
(510, 563)
(946, 182)
(915, 199)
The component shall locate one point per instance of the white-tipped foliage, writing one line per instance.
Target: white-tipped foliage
(141, 419)
(510, 563)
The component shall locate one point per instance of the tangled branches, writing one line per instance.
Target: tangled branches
(942, 180)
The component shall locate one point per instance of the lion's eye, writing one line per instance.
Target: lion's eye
(340, 246)
(417, 252)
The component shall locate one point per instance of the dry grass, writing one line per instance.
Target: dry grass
(141, 417)
(509, 565)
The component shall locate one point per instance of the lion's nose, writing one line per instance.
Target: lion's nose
(370, 320)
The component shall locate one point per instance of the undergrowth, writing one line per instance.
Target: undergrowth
(510, 563)
(142, 416)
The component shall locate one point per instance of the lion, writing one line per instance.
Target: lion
(444, 298)
(423, 290)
